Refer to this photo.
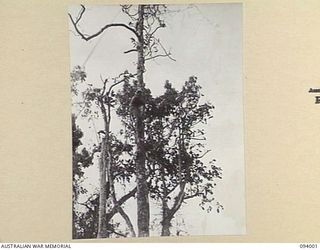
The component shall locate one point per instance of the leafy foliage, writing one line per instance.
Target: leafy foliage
(77, 75)
(80, 161)
(173, 134)
(177, 161)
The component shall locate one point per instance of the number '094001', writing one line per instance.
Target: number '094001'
(308, 246)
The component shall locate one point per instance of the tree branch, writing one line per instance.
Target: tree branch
(86, 205)
(150, 36)
(162, 55)
(178, 201)
(197, 193)
(83, 9)
(165, 51)
(124, 198)
(130, 50)
(89, 37)
(115, 84)
(198, 139)
(201, 156)
(104, 85)
(191, 196)
(128, 221)
(88, 200)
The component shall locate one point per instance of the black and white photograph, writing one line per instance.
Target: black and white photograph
(157, 120)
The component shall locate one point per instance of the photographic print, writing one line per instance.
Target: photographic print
(157, 120)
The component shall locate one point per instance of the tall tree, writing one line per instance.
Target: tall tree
(145, 22)
(106, 101)
(143, 208)
(175, 164)
(98, 102)
(176, 150)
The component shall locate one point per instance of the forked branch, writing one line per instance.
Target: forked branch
(166, 53)
(89, 37)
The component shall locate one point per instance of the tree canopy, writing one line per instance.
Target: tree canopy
(158, 154)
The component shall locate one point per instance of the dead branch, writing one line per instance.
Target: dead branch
(152, 33)
(89, 37)
(160, 55)
(83, 9)
(165, 51)
(129, 51)
(115, 84)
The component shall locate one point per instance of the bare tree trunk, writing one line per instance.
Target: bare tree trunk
(143, 213)
(169, 213)
(140, 45)
(106, 173)
(107, 120)
(102, 226)
(104, 170)
(142, 186)
(165, 223)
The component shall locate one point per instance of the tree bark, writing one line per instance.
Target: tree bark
(143, 213)
(128, 221)
(166, 220)
(166, 224)
(104, 170)
(118, 209)
(140, 45)
(142, 186)
(102, 226)
(168, 213)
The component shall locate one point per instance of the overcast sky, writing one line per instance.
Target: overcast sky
(206, 41)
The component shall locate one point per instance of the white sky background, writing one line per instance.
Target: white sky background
(206, 41)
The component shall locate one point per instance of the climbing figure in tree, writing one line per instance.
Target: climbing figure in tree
(137, 103)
